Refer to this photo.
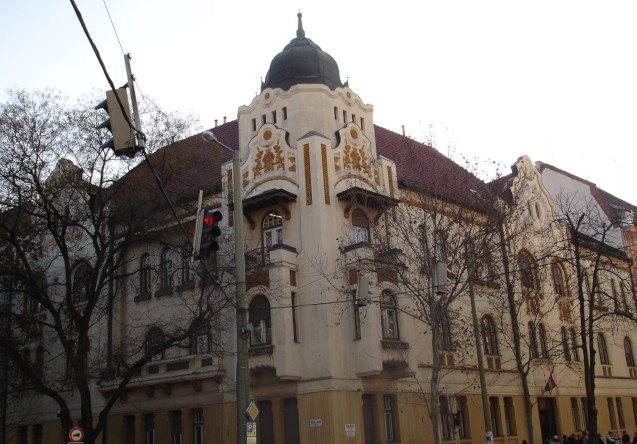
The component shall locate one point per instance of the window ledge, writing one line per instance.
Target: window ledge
(356, 246)
(488, 284)
(397, 344)
(261, 350)
(190, 285)
(143, 297)
(164, 292)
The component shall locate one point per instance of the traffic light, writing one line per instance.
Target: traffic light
(210, 232)
(456, 419)
(123, 140)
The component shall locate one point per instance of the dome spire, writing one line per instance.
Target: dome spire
(300, 33)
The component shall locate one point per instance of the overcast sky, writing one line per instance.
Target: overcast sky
(556, 80)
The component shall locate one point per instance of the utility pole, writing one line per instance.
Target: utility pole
(242, 372)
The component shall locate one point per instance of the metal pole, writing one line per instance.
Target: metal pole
(243, 385)
(242, 372)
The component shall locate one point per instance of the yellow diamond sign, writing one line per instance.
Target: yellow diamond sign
(252, 411)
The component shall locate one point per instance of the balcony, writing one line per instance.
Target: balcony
(265, 256)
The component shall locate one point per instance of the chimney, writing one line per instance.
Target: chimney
(403, 130)
(216, 122)
(224, 119)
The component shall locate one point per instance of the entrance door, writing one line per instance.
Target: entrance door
(266, 423)
(546, 410)
(291, 421)
(368, 418)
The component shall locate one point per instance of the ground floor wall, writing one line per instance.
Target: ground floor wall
(351, 417)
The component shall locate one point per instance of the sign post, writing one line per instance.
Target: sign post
(76, 435)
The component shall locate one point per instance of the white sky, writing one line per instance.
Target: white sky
(556, 80)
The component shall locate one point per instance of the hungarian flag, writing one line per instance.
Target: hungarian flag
(550, 384)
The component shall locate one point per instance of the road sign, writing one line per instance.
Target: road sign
(76, 434)
(252, 411)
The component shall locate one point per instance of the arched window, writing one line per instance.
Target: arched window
(441, 248)
(40, 294)
(188, 267)
(259, 317)
(421, 238)
(360, 226)
(167, 268)
(80, 283)
(145, 275)
(541, 330)
(272, 227)
(628, 351)
(532, 341)
(489, 336)
(565, 346)
(526, 265)
(388, 316)
(446, 340)
(574, 345)
(154, 339)
(602, 350)
(558, 279)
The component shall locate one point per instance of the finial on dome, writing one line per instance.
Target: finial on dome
(300, 33)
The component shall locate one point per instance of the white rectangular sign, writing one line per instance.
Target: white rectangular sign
(316, 422)
(350, 430)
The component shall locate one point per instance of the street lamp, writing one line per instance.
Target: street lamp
(242, 375)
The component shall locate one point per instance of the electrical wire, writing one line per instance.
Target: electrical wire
(113, 25)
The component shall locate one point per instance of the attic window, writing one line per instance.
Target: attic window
(353, 118)
(335, 113)
(344, 116)
(285, 113)
(273, 116)
(254, 124)
(362, 123)
(263, 119)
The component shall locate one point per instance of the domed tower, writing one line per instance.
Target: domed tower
(308, 159)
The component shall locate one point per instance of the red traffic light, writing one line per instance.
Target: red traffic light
(212, 218)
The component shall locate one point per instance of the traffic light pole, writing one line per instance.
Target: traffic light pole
(242, 372)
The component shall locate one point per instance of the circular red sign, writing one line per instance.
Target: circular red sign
(76, 434)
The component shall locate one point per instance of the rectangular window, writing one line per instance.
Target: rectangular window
(463, 409)
(285, 113)
(129, 427)
(362, 123)
(176, 426)
(620, 413)
(577, 424)
(611, 413)
(197, 425)
(357, 316)
(509, 415)
(445, 413)
(388, 414)
(254, 124)
(344, 116)
(263, 119)
(295, 333)
(353, 118)
(335, 113)
(36, 434)
(496, 416)
(585, 411)
(635, 409)
(149, 419)
(273, 116)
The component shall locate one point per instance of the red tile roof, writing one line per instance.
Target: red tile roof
(191, 164)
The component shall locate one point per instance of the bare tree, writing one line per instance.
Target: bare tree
(605, 299)
(70, 231)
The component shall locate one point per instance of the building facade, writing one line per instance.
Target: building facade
(346, 226)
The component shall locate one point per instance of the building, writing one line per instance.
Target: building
(346, 225)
